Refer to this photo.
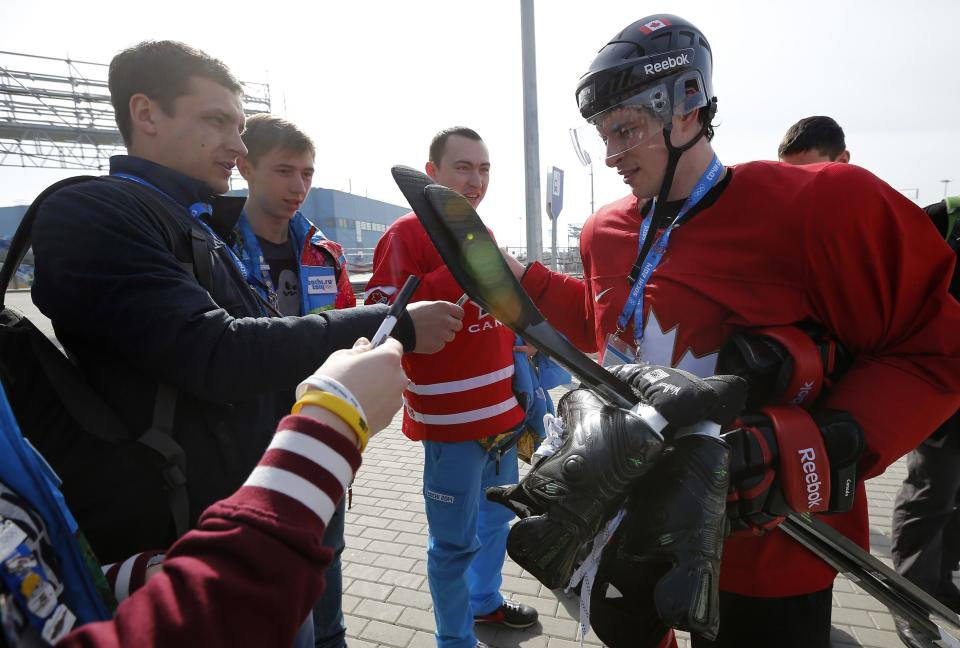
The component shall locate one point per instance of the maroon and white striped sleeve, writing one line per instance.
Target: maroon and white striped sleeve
(128, 576)
(307, 466)
(251, 571)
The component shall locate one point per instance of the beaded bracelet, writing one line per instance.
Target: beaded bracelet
(344, 410)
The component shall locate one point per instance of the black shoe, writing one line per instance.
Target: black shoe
(912, 637)
(510, 614)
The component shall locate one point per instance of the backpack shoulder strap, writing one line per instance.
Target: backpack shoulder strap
(159, 438)
(198, 250)
(22, 237)
(86, 408)
(202, 267)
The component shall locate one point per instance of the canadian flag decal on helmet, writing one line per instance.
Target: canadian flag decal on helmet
(654, 25)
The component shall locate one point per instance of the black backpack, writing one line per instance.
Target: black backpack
(107, 469)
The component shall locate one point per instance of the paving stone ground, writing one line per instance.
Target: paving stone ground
(387, 598)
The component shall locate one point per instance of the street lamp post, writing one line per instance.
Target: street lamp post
(946, 183)
(531, 134)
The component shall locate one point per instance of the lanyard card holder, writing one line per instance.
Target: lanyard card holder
(617, 352)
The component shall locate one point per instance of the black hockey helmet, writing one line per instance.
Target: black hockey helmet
(657, 67)
(661, 62)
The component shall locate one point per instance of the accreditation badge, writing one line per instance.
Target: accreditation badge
(320, 280)
(321, 286)
(617, 352)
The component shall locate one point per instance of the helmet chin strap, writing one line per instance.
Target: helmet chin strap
(673, 158)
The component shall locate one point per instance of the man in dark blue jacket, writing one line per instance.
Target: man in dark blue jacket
(119, 265)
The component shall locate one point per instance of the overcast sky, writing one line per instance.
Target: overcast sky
(372, 81)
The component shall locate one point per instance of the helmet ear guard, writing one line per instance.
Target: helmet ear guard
(685, 101)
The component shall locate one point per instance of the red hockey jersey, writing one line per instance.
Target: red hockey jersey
(465, 391)
(781, 244)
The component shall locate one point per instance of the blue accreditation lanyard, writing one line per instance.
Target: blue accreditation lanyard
(251, 248)
(634, 305)
(196, 210)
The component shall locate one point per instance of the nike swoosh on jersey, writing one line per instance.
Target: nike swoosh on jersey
(601, 294)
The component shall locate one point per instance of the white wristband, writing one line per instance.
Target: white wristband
(651, 417)
(329, 385)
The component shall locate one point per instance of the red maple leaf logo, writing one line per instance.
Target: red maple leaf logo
(654, 25)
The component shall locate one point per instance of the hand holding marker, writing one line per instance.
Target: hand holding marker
(403, 297)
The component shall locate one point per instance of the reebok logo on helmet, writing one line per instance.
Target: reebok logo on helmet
(682, 59)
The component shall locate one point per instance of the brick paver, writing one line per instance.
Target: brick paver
(387, 598)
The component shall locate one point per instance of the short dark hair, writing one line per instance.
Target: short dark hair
(706, 121)
(265, 132)
(439, 143)
(161, 70)
(819, 133)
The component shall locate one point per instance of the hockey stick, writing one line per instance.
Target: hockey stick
(925, 613)
(475, 262)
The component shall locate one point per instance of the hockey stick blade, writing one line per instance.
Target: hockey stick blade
(475, 262)
(450, 222)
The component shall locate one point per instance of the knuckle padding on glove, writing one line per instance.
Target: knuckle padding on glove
(783, 364)
(804, 462)
(803, 382)
(751, 488)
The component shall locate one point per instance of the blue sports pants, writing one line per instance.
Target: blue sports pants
(467, 537)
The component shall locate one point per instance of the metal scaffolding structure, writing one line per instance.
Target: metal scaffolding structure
(56, 113)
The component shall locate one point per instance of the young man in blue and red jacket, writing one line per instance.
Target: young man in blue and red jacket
(299, 271)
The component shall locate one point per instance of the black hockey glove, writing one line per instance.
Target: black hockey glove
(682, 398)
(662, 566)
(785, 460)
(580, 486)
(784, 365)
(567, 497)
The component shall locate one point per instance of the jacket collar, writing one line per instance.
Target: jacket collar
(183, 189)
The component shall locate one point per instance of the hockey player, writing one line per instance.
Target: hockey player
(730, 249)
